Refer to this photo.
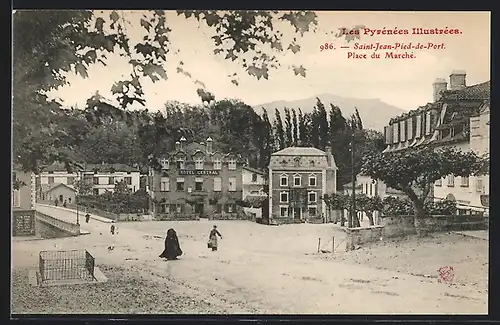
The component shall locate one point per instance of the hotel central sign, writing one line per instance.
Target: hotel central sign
(198, 172)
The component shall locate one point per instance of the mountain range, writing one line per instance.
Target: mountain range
(374, 113)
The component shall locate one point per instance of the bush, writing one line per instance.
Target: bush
(393, 206)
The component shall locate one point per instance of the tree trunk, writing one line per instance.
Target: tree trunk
(370, 218)
(355, 221)
(419, 221)
(342, 219)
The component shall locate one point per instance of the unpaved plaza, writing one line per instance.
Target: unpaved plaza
(258, 269)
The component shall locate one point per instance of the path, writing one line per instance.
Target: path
(279, 279)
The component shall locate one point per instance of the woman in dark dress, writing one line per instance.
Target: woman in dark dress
(172, 248)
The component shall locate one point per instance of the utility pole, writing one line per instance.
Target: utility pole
(353, 179)
(77, 212)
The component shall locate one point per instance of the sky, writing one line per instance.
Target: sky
(405, 83)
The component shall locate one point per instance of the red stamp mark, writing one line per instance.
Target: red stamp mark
(446, 274)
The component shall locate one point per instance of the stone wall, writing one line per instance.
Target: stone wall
(49, 227)
(363, 235)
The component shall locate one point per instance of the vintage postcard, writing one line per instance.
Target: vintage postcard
(250, 162)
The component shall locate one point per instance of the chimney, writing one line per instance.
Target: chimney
(438, 87)
(182, 143)
(457, 79)
(209, 145)
(329, 157)
(177, 146)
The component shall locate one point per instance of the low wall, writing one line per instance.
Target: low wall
(363, 235)
(229, 216)
(49, 227)
(176, 217)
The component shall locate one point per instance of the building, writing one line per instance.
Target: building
(60, 192)
(24, 197)
(103, 177)
(446, 122)
(52, 176)
(196, 180)
(298, 179)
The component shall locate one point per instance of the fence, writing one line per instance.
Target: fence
(66, 265)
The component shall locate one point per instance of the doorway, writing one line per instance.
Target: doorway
(198, 209)
(297, 213)
(61, 198)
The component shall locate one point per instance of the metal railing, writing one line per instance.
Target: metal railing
(66, 265)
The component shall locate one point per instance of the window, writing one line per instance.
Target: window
(284, 197)
(231, 164)
(198, 184)
(217, 164)
(180, 184)
(312, 163)
(180, 164)
(312, 211)
(439, 182)
(229, 208)
(297, 180)
(111, 180)
(464, 182)
(96, 180)
(284, 180)
(312, 180)
(451, 180)
(96, 191)
(232, 184)
(371, 189)
(128, 180)
(51, 180)
(165, 184)
(16, 198)
(312, 197)
(198, 164)
(217, 184)
(479, 185)
(254, 177)
(70, 180)
(164, 163)
(164, 208)
(283, 211)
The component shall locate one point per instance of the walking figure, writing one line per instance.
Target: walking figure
(87, 217)
(172, 248)
(212, 238)
(112, 228)
(64, 203)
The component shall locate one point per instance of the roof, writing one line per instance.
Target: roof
(254, 170)
(110, 167)
(475, 92)
(300, 151)
(55, 167)
(56, 185)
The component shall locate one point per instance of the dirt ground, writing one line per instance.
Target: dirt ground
(258, 269)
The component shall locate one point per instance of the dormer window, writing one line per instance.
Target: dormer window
(180, 164)
(198, 164)
(312, 163)
(296, 162)
(164, 163)
(217, 164)
(231, 164)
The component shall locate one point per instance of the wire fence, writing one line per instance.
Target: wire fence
(330, 245)
(66, 265)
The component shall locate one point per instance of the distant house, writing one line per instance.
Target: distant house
(253, 183)
(103, 177)
(24, 197)
(51, 176)
(60, 192)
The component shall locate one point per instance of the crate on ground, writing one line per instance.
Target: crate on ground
(64, 266)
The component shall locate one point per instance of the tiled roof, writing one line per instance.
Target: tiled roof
(299, 151)
(109, 167)
(50, 187)
(254, 170)
(475, 92)
(55, 167)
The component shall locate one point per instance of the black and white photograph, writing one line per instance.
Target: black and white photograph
(250, 162)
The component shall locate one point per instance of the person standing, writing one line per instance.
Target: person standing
(87, 217)
(172, 248)
(212, 238)
(112, 228)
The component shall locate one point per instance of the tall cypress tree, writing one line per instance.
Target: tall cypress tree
(288, 128)
(278, 129)
(295, 128)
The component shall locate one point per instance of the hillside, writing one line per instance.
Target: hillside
(374, 113)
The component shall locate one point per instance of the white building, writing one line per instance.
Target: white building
(458, 117)
(253, 182)
(103, 177)
(52, 176)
